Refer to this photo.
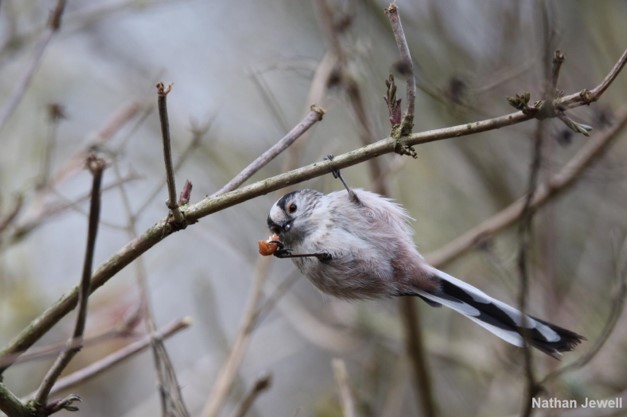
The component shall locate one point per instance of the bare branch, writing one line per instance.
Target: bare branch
(226, 376)
(524, 239)
(76, 162)
(618, 304)
(407, 67)
(172, 403)
(593, 149)
(261, 384)
(198, 134)
(49, 210)
(558, 60)
(116, 357)
(22, 85)
(598, 91)
(415, 349)
(314, 115)
(10, 217)
(162, 93)
(163, 229)
(96, 166)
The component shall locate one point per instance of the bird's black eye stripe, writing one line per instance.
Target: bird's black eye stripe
(283, 201)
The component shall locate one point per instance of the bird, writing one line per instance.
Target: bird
(356, 244)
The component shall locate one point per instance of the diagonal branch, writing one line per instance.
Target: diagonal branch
(546, 192)
(209, 205)
(314, 115)
(54, 24)
(116, 357)
(96, 165)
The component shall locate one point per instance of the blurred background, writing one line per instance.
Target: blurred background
(243, 75)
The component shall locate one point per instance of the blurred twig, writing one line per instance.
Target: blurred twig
(617, 306)
(346, 396)
(409, 311)
(56, 113)
(261, 384)
(96, 166)
(53, 26)
(169, 391)
(224, 380)
(49, 210)
(41, 208)
(7, 219)
(334, 24)
(75, 162)
(592, 150)
(46, 351)
(524, 242)
(96, 368)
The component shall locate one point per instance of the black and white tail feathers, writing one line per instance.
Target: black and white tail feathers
(499, 318)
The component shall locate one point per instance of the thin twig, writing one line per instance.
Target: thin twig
(54, 349)
(172, 203)
(49, 210)
(172, 403)
(54, 24)
(262, 384)
(96, 368)
(598, 91)
(96, 166)
(558, 60)
(591, 151)
(76, 162)
(197, 137)
(524, 238)
(163, 228)
(226, 376)
(407, 66)
(417, 354)
(343, 76)
(55, 115)
(9, 218)
(409, 311)
(618, 304)
(346, 396)
(314, 115)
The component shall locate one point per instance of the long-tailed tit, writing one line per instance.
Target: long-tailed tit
(356, 244)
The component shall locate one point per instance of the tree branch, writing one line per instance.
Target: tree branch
(593, 149)
(116, 357)
(209, 205)
(261, 384)
(407, 67)
(314, 115)
(172, 203)
(96, 166)
(54, 24)
(227, 373)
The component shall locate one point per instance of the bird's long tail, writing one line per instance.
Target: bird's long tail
(499, 318)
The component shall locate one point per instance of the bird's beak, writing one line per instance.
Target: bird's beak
(279, 228)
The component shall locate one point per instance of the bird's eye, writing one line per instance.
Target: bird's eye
(291, 208)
